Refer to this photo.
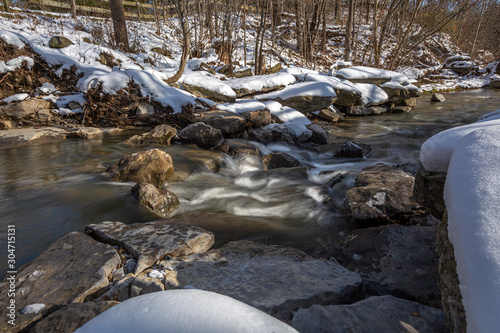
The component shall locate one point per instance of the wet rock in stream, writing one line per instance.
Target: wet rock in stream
(162, 134)
(152, 166)
(160, 202)
(382, 195)
(202, 135)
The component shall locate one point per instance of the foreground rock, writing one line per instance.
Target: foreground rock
(396, 260)
(375, 314)
(151, 166)
(274, 279)
(71, 317)
(351, 149)
(160, 202)
(202, 135)
(70, 270)
(18, 111)
(162, 134)
(149, 242)
(382, 195)
(230, 125)
(448, 281)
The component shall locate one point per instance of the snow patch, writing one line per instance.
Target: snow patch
(33, 308)
(16, 98)
(186, 310)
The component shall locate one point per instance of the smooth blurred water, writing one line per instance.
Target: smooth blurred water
(51, 189)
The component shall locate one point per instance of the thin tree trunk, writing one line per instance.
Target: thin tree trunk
(477, 30)
(119, 24)
(73, 8)
(6, 5)
(245, 32)
(186, 45)
(157, 16)
(348, 32)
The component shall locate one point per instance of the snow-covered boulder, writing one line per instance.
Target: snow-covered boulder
(260, 84)
(306, 97)
(460, 64)
(473, 204)
(397, 91)
(179, 311)
(289, 133)
(203, 84)
(436, 152)
(361, 74)
(347, 93)
(371, 94)
(289, 115)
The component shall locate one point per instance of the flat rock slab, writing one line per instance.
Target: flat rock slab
(382, 195)
(272, 278)
(72, 268)
(71, 317)
(149, 242)
(18, 137)
(396, 260)
(375, 314)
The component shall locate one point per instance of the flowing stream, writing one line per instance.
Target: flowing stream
(51, 189)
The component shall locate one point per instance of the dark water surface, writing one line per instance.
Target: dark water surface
(49, 190)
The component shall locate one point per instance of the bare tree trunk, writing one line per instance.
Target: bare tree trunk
(348, 32)
(338, 8)
(210, 26)
(378, 51)
(119, 24)
(298, 25)
(186, 45)
(477, 30)
(73, 8)
(6, 5)
(157, 16)
(245, 32)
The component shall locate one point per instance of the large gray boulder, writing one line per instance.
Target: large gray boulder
(272, 278)
(289, 133)
(23, 136)
(149, 242)
(279, 160)
(372, 315)
(202, 135)
(228, 125)
(151, 166)
(396, 260)
(382, 195)
(70, 270)
(160, 202)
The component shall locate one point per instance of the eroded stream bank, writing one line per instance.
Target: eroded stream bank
(49, 190)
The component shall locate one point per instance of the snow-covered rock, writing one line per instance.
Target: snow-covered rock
(371, 94)
(179, 311)
(289, 115)
(260, 83)
(471, 195)
(205, 85)
(305, 96)
(436, 152)
(347, 93)
(361, 74)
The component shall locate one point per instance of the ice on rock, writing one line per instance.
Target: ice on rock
(33, 308)
(473, 203)
(186, 310)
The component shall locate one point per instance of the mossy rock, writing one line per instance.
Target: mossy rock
(59, 42)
